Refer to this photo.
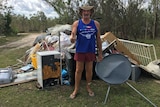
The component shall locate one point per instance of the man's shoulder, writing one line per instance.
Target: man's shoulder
(76, 22)
(96, 22)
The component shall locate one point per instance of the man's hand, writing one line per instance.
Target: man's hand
(72, 39)
(100, 58)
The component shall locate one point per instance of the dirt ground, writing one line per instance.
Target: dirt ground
(26, 41)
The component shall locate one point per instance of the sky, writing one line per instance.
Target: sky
(27, 7)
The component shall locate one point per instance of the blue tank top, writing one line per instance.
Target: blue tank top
(86, 37)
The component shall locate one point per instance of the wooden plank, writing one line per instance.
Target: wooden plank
(119, 47)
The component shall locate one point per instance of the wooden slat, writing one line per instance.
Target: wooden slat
(119, 46)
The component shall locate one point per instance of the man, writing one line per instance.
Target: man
(86, 34)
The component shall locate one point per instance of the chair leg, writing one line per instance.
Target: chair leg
(140, 94)
(107, 94)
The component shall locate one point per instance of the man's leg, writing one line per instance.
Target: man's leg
(89, 73)
(78, 75)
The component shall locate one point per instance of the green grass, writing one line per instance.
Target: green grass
(27, 95)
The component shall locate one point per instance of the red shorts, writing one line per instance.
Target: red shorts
(85, 57)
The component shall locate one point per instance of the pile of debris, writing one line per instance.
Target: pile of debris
(57, 39)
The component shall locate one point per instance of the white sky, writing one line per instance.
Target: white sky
(27, 7)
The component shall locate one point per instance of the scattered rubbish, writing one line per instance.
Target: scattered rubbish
(6, 75)
(66, 82)
(57, 39)
(27, 67)
(22, 78)
(154, 68)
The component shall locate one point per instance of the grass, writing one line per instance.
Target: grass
(10, 56)
(27, 95)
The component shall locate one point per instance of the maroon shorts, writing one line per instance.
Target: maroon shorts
(85, 57)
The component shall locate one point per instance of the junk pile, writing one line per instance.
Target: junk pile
(141, 55)
(57, 39)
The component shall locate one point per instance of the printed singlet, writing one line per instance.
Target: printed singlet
(86, 37)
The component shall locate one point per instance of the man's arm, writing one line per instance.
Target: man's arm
(74, 31)
(99, 42)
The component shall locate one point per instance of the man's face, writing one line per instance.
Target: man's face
(86, 13)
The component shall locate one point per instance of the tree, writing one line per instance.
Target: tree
(42, 20)
(129, 21)
(67, 10)
(7, 17)
(2, 23)
(155, 4)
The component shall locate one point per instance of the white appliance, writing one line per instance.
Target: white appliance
(48, 68)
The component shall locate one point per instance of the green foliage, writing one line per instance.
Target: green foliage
(6, 21)
(125, 21)
(2, 23)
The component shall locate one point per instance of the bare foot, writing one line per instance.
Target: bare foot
(73, 95)
(90, 92)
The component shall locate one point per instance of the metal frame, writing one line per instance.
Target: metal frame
(107, 94)
(61, 80)
(145, 53)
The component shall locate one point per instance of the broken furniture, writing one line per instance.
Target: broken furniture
(141, 54)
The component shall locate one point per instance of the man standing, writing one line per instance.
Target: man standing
(86, 34)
